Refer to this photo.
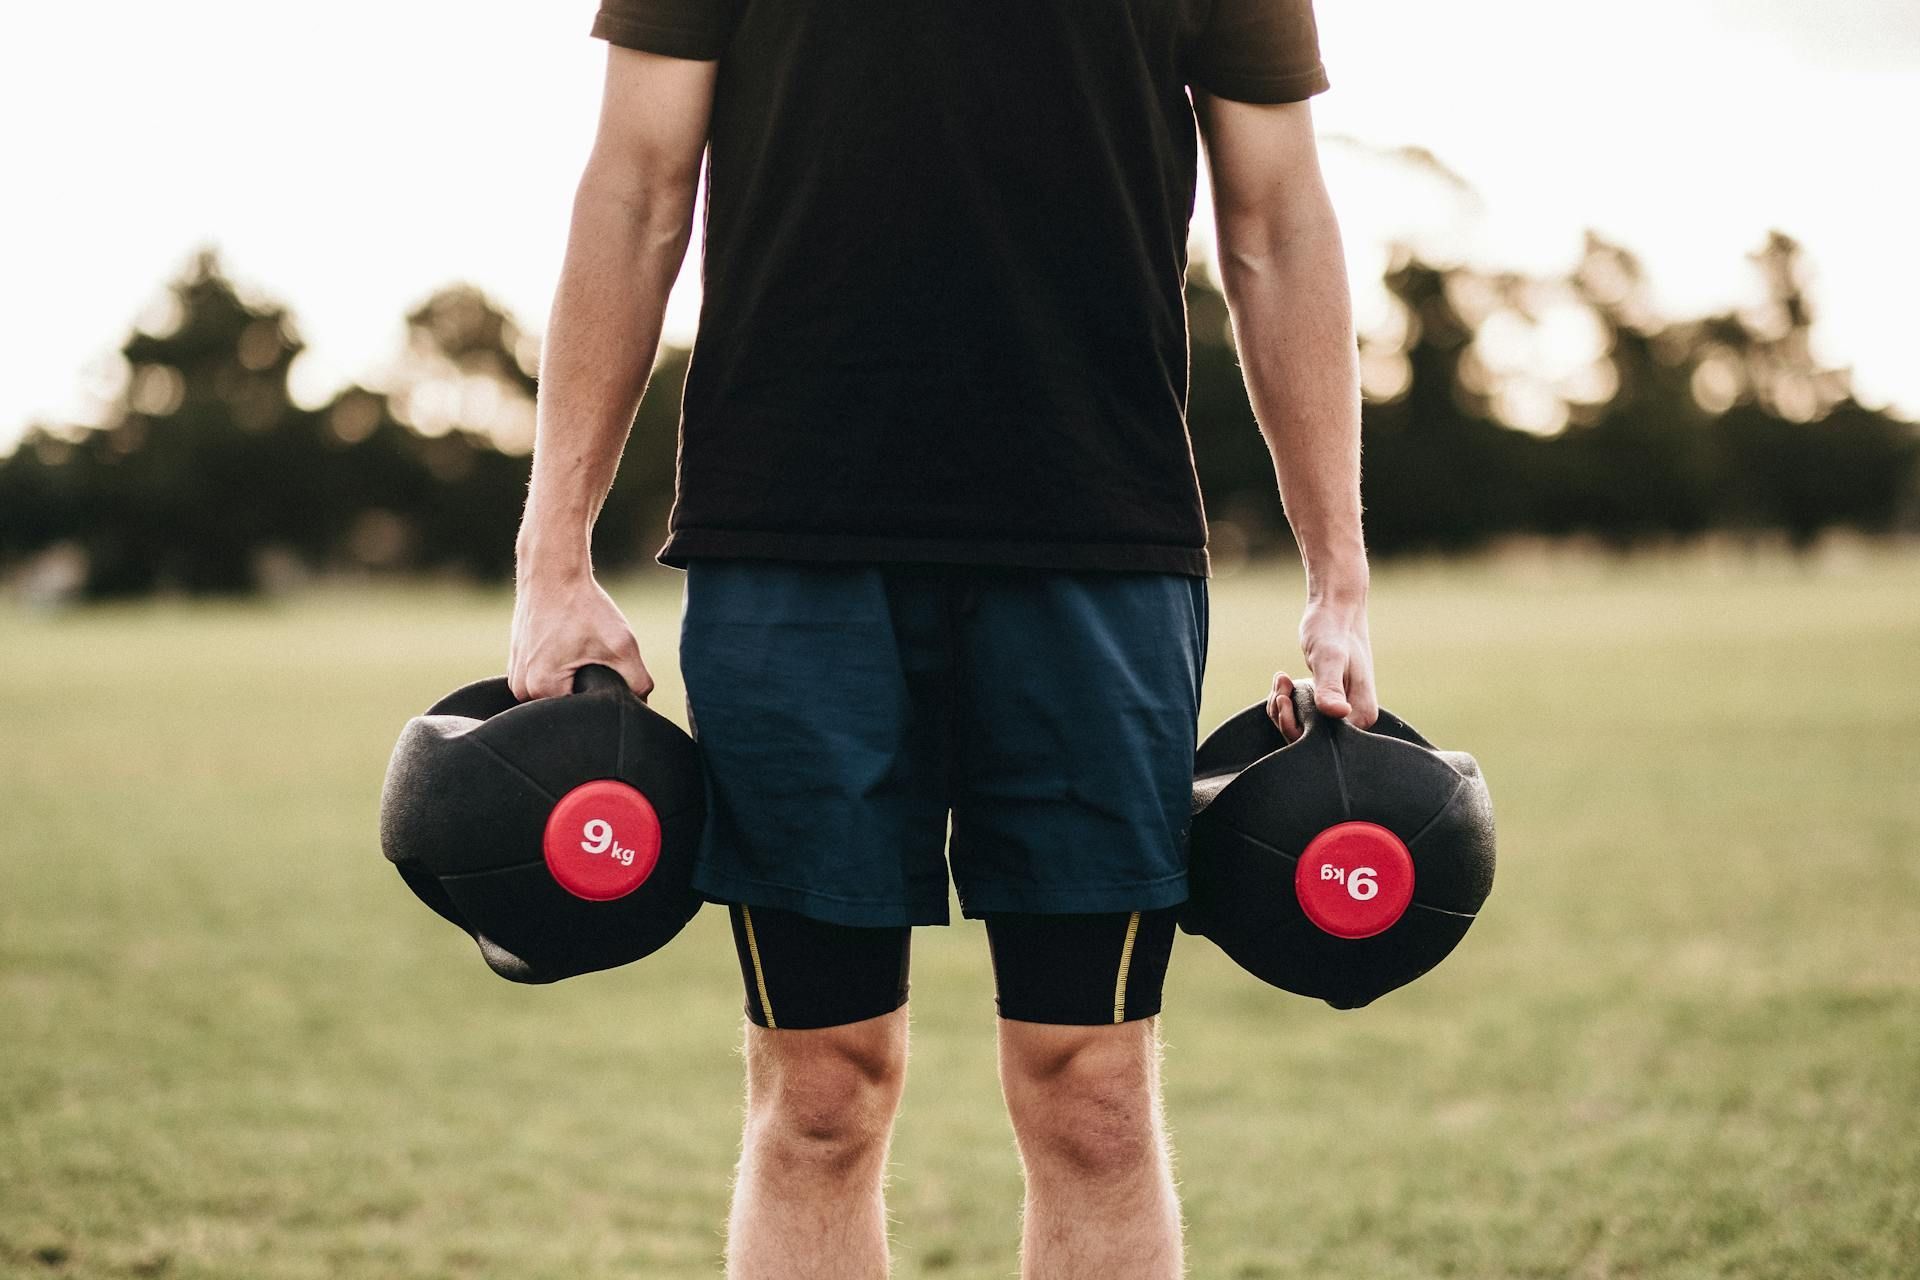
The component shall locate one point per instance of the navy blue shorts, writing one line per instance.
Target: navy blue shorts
(846, 712)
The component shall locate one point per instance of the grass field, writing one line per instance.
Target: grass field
(1683, 1041)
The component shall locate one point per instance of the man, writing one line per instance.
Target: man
(944, 544)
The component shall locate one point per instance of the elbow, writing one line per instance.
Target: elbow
(637, 186)
(1275, 239)
(1241, 263)
(656, 204)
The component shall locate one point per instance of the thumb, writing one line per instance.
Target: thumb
(634, 671)
(1330, 687)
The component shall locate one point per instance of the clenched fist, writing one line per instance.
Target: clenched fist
(562, 622)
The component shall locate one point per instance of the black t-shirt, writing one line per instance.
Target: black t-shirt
(946, 243)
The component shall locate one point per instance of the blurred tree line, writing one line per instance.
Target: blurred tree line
(1497, 404)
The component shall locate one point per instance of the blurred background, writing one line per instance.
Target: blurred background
(276, 300)
(1637, 293)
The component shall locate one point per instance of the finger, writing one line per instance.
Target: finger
(1280, 707)
(1330, 685)
(625, 658)
(1360, 691)
(639, 679)
(550, 682)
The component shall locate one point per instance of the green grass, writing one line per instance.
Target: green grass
(1683, 1041)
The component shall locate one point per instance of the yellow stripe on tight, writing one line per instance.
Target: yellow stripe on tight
(1126, 959)
(759, 977)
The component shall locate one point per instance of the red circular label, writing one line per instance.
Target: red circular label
(602, 840)
(1355, 879)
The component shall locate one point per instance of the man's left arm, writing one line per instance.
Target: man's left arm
(1284, 274)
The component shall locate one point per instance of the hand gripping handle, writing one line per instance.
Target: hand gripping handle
(597, 677)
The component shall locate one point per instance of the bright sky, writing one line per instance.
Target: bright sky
(348, 158)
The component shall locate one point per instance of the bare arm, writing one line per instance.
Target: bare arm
(1285, 278)
(632, 220)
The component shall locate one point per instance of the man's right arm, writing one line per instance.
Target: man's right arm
(632, 220)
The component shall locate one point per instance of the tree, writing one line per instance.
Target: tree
(206, 472)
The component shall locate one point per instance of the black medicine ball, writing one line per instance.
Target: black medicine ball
(1343, 865)
(559, 833)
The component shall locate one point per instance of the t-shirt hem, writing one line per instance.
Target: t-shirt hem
(653, 37)
(1265, 89)
(684, 545)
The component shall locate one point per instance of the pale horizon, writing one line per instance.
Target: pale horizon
(350, 169)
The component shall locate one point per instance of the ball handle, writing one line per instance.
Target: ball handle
(1305, 709)
(597, 677)
(1386, 724)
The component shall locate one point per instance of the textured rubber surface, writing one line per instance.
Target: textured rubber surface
(1259, 805)
(465, 813)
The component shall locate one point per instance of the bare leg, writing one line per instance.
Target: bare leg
(1085, 1104)
(808, 1197)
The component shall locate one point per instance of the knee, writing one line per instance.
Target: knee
(1082, 1102)
(821, 1103)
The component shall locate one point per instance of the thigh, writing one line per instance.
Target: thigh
(1080, 970)
(804, 974)
(815, 694)
(1076, 719)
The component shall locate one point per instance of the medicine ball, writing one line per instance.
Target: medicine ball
(1343, 865)
(558, 832)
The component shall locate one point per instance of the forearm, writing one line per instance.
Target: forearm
(1285, 278)
(624, 249)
